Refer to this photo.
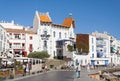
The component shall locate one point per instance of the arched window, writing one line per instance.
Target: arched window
(59, 34)
(54, 34)
(45, 32)
(65, 35)
(45, 44)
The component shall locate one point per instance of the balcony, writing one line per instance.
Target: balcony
(59, 47)
(16, 47)
(72, 37)
(101, 43)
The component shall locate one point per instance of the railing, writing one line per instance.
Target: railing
(58, 46)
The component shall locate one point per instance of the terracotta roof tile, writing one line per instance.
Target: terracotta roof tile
(45, 18)
(19, 31)
(68, 21)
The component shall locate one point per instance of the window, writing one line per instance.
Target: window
(23, 36)
(60, 51)
(93, 55)
(54, 34)
(10, 33)
(81, 61)
(59, 34)
(45, 32)
(1, 36)
(97, 62)
(30, 37)
(65, 35)
(17, 36)
(42, 24)
(85, 61)
(104, 49)
(70, 34)
(0, 45)
(92, 41)
(45, 44)
(30, 47)
(54, 53)
(10, 45)
(92, 48)
(23, 44)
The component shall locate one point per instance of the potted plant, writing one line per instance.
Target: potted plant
(2, 77)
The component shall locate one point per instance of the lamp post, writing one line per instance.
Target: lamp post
(45, 37)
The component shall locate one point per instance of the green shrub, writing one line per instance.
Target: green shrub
(40, 55)
(70, 48)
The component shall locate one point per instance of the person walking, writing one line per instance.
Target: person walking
(88, 67)
(24, 68)
(29, 67)
(46, 68)
(79, 70)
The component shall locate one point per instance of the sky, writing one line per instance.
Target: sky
(89, 15)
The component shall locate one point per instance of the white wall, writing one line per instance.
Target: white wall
(34, 42)
(82, 59)
(92, 46)
(51, 42)
(3, 40)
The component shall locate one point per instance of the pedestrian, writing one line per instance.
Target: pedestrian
(46, 68)
(88, 67)
(29, 67)
(79, 70)
(24, 68)
(76, 71)
(43, 67)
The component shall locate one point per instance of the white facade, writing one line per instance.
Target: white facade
(11, 25)
(22, 41)
(81, 59)
(85, 58)
(115, 51)
(102, 56)
(3, 41)
(33, 41)
(55, 32)
(99, 50)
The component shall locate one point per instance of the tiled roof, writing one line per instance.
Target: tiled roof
(68, 21)
(45, 18)
(19, 31)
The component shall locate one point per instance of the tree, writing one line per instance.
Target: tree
(40, 55)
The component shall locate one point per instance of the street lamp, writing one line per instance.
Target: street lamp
(45, 37)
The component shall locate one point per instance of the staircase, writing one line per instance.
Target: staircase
(55, 64)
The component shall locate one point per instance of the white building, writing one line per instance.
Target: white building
(115, 51)
(102, 56)
(49, 33)
(86, 49)
(22, 41)
(94, 47)
(3, 41)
